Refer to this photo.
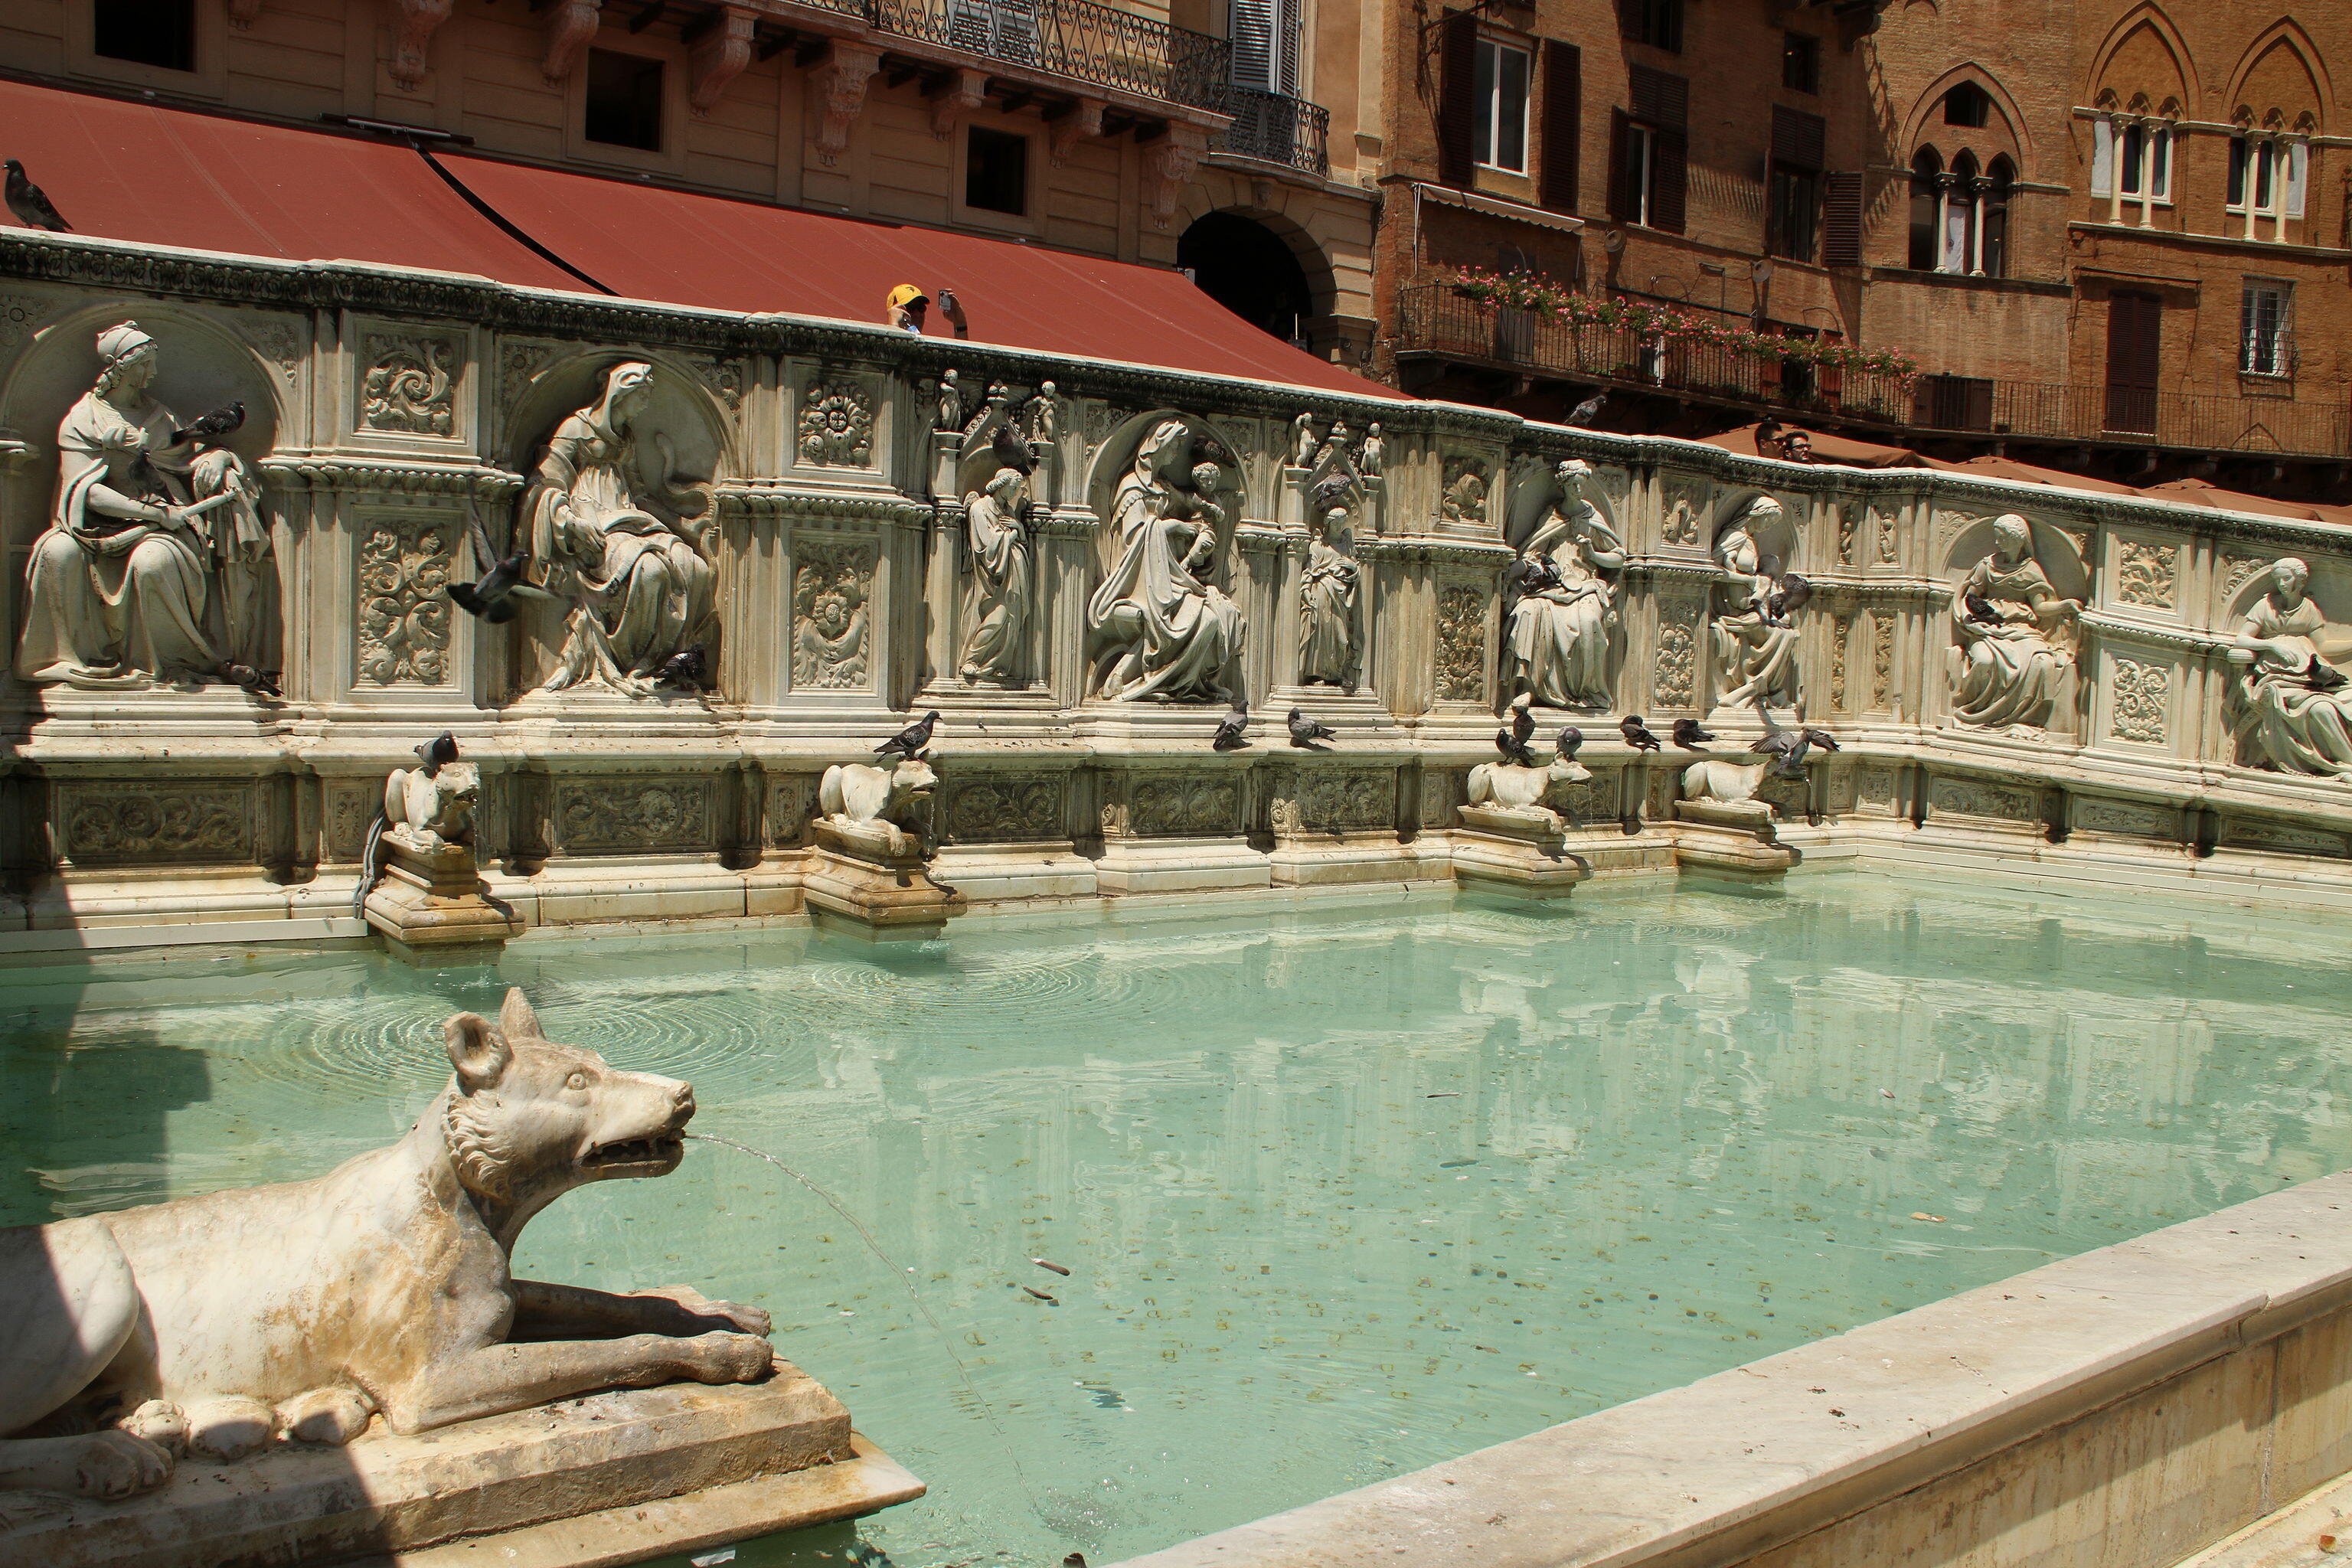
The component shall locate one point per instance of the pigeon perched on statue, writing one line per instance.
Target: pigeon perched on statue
(688, 669)
(31, 204)
(1787, 599)
(1012, 451)
(220, 422)
(1979, 609)
(1233, 729)
(1570, 743)
(1637, 734)
(1513, 737)
(1515, 750)
(909, 742)
(436, 753)
(1689, 736)
(1306, 731)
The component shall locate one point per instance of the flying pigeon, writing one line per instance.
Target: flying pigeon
(1571, 741)
(1786, 600)
(487, 596)
(31, 204)
(436, 753)
(214, 425)
(1637, 734)
(1787, 748)
(1306, 731)
(1233, 729)
(688, 669)
(1012, 451)
(1586, 412)
(1689, 736)
(910, 740)
(1821, 738)
(1980, 608)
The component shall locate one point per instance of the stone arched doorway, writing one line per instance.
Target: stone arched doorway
(1250, 270)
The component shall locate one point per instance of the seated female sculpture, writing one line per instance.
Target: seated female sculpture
(151, 570)
(1755, 644)
(2014, 649)
(1156, 627)
(608, 530)
(1565, 580)
(2292, 708)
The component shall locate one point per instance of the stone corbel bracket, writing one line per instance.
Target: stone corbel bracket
(1169, 164)
(839, 83)
(1082, 119)
(414, 23)
(963, 94)
(569, 25)
(721, 52)
(241, 12)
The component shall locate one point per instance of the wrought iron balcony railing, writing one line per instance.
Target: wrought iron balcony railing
(1076, 39)
(1434, 319)
(2209, 422)
(1277, 128)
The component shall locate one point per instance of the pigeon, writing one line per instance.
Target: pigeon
(1637, 734)
(260, 682)
(487, 596)
(1512, 740)
(2323, 675)
(31, 204)
(1586, 412)
(1330, 495)
(1514, 749)
(1689, 736)
(1233, 729)
(1012, 451)
(1821, 738)
(1571, 741)
(1306, 731)
(212, 426)
(436, 753)
(1787, 599)
(1980, 608)
(909, 742)
(1790, 763)
(1786, 748)
(688, 669)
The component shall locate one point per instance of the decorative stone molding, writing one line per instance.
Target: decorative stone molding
(2236, 571)
(2126, 818)
(414, 23)
(344, 474)
(1461, 656)
(838, 87)
(1081, 120)
(770, 501)
(1170, 804)
(350, 807)
(2147, 573)
(832, 625)
(2142, 697)
(791, 802)
(409, 387)
(571, 23)
(1169, 164)
(723, 378)
(718, 55)
(280, 343)
(119, 823)
(632, 814)
(837, 425)
(519, 364)
(403, 620)
(1980, 798)
(958, 97)
(1006, 808)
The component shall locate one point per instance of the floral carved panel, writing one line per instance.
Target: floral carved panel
(404, 621)
(2147, 573)
(1840, 639)
(1675, 674)
(350, 807)
(1462, 659)
(1006, 808)
(1881, 663)
(409, 387)
(1177, 804)
(1337, 800)
(1972, 797)
(123, 823)
(837, 427)
(632, 814)
(2142, 697)
(832, 629)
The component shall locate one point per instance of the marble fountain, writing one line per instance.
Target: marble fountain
(501, 638)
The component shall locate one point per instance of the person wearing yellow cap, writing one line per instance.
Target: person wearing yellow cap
(905, 308)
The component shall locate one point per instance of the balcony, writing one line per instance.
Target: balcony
(1433, 320)
(2099, 415)
(1078, 40)
(1278, 129)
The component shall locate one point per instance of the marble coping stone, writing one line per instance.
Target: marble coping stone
(606, 1471)
(1736, 1464)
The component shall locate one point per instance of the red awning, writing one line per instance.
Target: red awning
(1841, 451)
(134, 171)
(719, 254)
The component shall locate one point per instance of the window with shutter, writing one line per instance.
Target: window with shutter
(1621, 173)
(1253, 30)
(1669, 174)
(1563, 124)
(1656, 96)
(1841, 221)
(2134, 348)
(1457, 93)
(1798, 138)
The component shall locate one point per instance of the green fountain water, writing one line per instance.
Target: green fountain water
(1339, 1193)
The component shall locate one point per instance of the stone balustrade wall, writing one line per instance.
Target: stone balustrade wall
(392, 417)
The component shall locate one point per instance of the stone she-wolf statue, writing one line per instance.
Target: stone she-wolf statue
(155, 567)
(212, 1324)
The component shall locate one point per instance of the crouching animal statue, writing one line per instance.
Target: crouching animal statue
(427, 807)
(1508, 786)
(896, 797)
(215, 1325)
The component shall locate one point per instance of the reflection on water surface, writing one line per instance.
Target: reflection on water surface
(1340, 1194)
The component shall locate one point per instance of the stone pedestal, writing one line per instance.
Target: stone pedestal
(872, 880)
(1523, 853)
(616, 1478)
(1731, 837)
(432, 907)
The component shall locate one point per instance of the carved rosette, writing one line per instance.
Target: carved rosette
(2147, 573)
(625, 815)
(2142, 697)
(409, 387)
(837, 425)
(1461, 643)
(403, 623)
(1006, 808)
(832, 631)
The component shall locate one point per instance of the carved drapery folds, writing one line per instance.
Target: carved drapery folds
(832, 631)
(1461, 503)
(838, 87)
(1329, 586)
(999, 560)
(1159, 628)
(1755, 642)
(1563, 598)
(2291, 706)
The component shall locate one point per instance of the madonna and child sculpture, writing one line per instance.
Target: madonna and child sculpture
(155, 567)
(213, 1325)
(1160, 628)
(1564, 584)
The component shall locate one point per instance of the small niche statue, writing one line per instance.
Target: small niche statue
(996, 535)
(1327, 588)
(153, 570)
(1755, 639)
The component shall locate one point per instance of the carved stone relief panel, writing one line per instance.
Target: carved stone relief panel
(1882, 528)
(2233, 572)
(1174, 803)
(1683, 514)
(1841, 639)
(1006, 808)
(19, 314)
(791, 802)
(2128, 818)
(836, 425)
(722, 378)
(1881, 663)
(408, 384)
(1461, 504)
(1849, 524)
(1790, 799)
(404, 619)
(207, 823)
(277, 342)
(2287, 838)
(1675, 675)
(1461, 644)
(2143, 701)
(623, 815)
(2148, 573)
(351, 807)
(833, 583)
(520, 362)
(1874, 790)
(1976, 797)
(1337, 800)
